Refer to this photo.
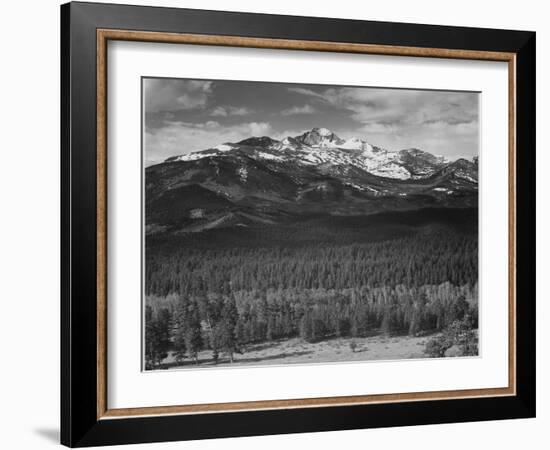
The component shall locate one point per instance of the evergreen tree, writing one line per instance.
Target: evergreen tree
(459, 309)
(306, 327)
(227, 327)
(180, 348)
(192, 331)
(157, 336)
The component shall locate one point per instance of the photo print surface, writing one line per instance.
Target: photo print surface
(299, 223)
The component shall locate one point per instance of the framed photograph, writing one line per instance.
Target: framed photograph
(276, 224)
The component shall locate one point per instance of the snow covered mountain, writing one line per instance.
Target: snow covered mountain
(321, 146)
(261, 180)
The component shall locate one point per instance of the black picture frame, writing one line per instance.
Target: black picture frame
(80, 425)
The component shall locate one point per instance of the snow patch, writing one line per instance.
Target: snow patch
(223, 147)
(196, 213)
(194, 156)
(391, 170)
(362, 188)
(355, 144)
(356, 186)
(270, 156)
(310, 158)
(324, 132)
(243, 174)
(466, 177)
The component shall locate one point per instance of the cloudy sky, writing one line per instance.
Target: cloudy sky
(183, 116)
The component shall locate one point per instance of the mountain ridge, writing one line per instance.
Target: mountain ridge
(320, 145)
(260, 180)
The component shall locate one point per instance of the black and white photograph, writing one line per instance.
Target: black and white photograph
(303, 223)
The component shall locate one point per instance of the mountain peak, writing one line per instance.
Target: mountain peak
(319, 137)
(322, 131)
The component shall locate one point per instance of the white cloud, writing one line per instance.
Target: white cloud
(258, 128)
(308, 92)
(404, 106)
(374, 127)
(171, 95)
(178, 138)
(437, 121)
(306, 109)
(224, 111)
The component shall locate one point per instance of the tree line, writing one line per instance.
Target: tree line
(419, 260)
(228, 323)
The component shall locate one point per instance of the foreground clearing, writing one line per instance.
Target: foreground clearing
(297, 351)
